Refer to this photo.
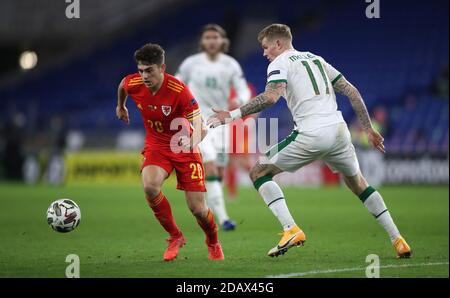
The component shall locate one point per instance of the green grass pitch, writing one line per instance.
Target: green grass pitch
(119, 237)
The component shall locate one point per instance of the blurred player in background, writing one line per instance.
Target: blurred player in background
(242, 158)
(210, 75)
(164, 101)
(309, 83)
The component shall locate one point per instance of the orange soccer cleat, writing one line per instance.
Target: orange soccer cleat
(215, 252)
(292, 237)
(402, 248)
(175, 243)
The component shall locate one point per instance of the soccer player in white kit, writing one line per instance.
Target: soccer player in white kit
(210, 74)
(309, 83)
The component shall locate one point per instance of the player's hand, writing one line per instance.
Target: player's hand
(376, 140)
(122, 114)
(219, 117)
(185, 142)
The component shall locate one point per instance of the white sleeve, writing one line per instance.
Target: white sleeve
(240, 84)
(332, 72)
(183, 71)
(277, 71)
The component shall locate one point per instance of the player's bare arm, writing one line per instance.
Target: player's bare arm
(200, 126)
(344, 87)
(273, 92)
(121, 109)
(199, 132)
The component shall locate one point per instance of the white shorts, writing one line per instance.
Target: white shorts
(332, 144)
(215, 146)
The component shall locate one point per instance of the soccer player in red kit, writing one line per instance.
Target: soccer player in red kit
(174, 128)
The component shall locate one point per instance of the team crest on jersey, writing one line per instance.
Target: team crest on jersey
(166, 110)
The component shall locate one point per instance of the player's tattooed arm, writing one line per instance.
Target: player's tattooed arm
(344, 87)
(121, 109)
(273, 92)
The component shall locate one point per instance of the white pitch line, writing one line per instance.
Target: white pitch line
(315, 272)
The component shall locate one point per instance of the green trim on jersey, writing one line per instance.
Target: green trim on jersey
(281, 145)
(322, 72)
(336, 79)
(277, 81)
(311, 76)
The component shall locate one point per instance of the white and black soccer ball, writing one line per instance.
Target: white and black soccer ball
(63, 215)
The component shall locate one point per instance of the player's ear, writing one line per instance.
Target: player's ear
(163, 67)
(279, 43)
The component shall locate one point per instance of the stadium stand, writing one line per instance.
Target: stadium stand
(396, 67)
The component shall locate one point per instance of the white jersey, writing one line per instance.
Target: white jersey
(210, 81)
(309, 92)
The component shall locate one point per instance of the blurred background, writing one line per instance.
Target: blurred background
(59, 77)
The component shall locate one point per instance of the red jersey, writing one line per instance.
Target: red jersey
(172, 100)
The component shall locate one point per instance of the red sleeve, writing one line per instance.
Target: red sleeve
(132, 82)
(191, 109)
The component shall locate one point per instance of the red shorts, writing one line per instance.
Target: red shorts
(188, 167)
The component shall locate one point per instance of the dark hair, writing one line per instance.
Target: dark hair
(275, 31)
(222, 33)
(150, 53)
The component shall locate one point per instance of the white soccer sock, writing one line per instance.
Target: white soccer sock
(215, 200)
(375, 204)
(274, 198)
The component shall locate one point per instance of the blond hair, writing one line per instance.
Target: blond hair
(275, 31)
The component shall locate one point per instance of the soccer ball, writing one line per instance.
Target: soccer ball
(63, 215)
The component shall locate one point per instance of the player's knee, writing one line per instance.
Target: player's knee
(152, 189)
(357, 184)
(255, 173)
(198, 211)
(211, 169)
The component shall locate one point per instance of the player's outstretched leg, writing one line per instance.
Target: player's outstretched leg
(205, 219)
(272, 194)
(376, 206)
(161, 208)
